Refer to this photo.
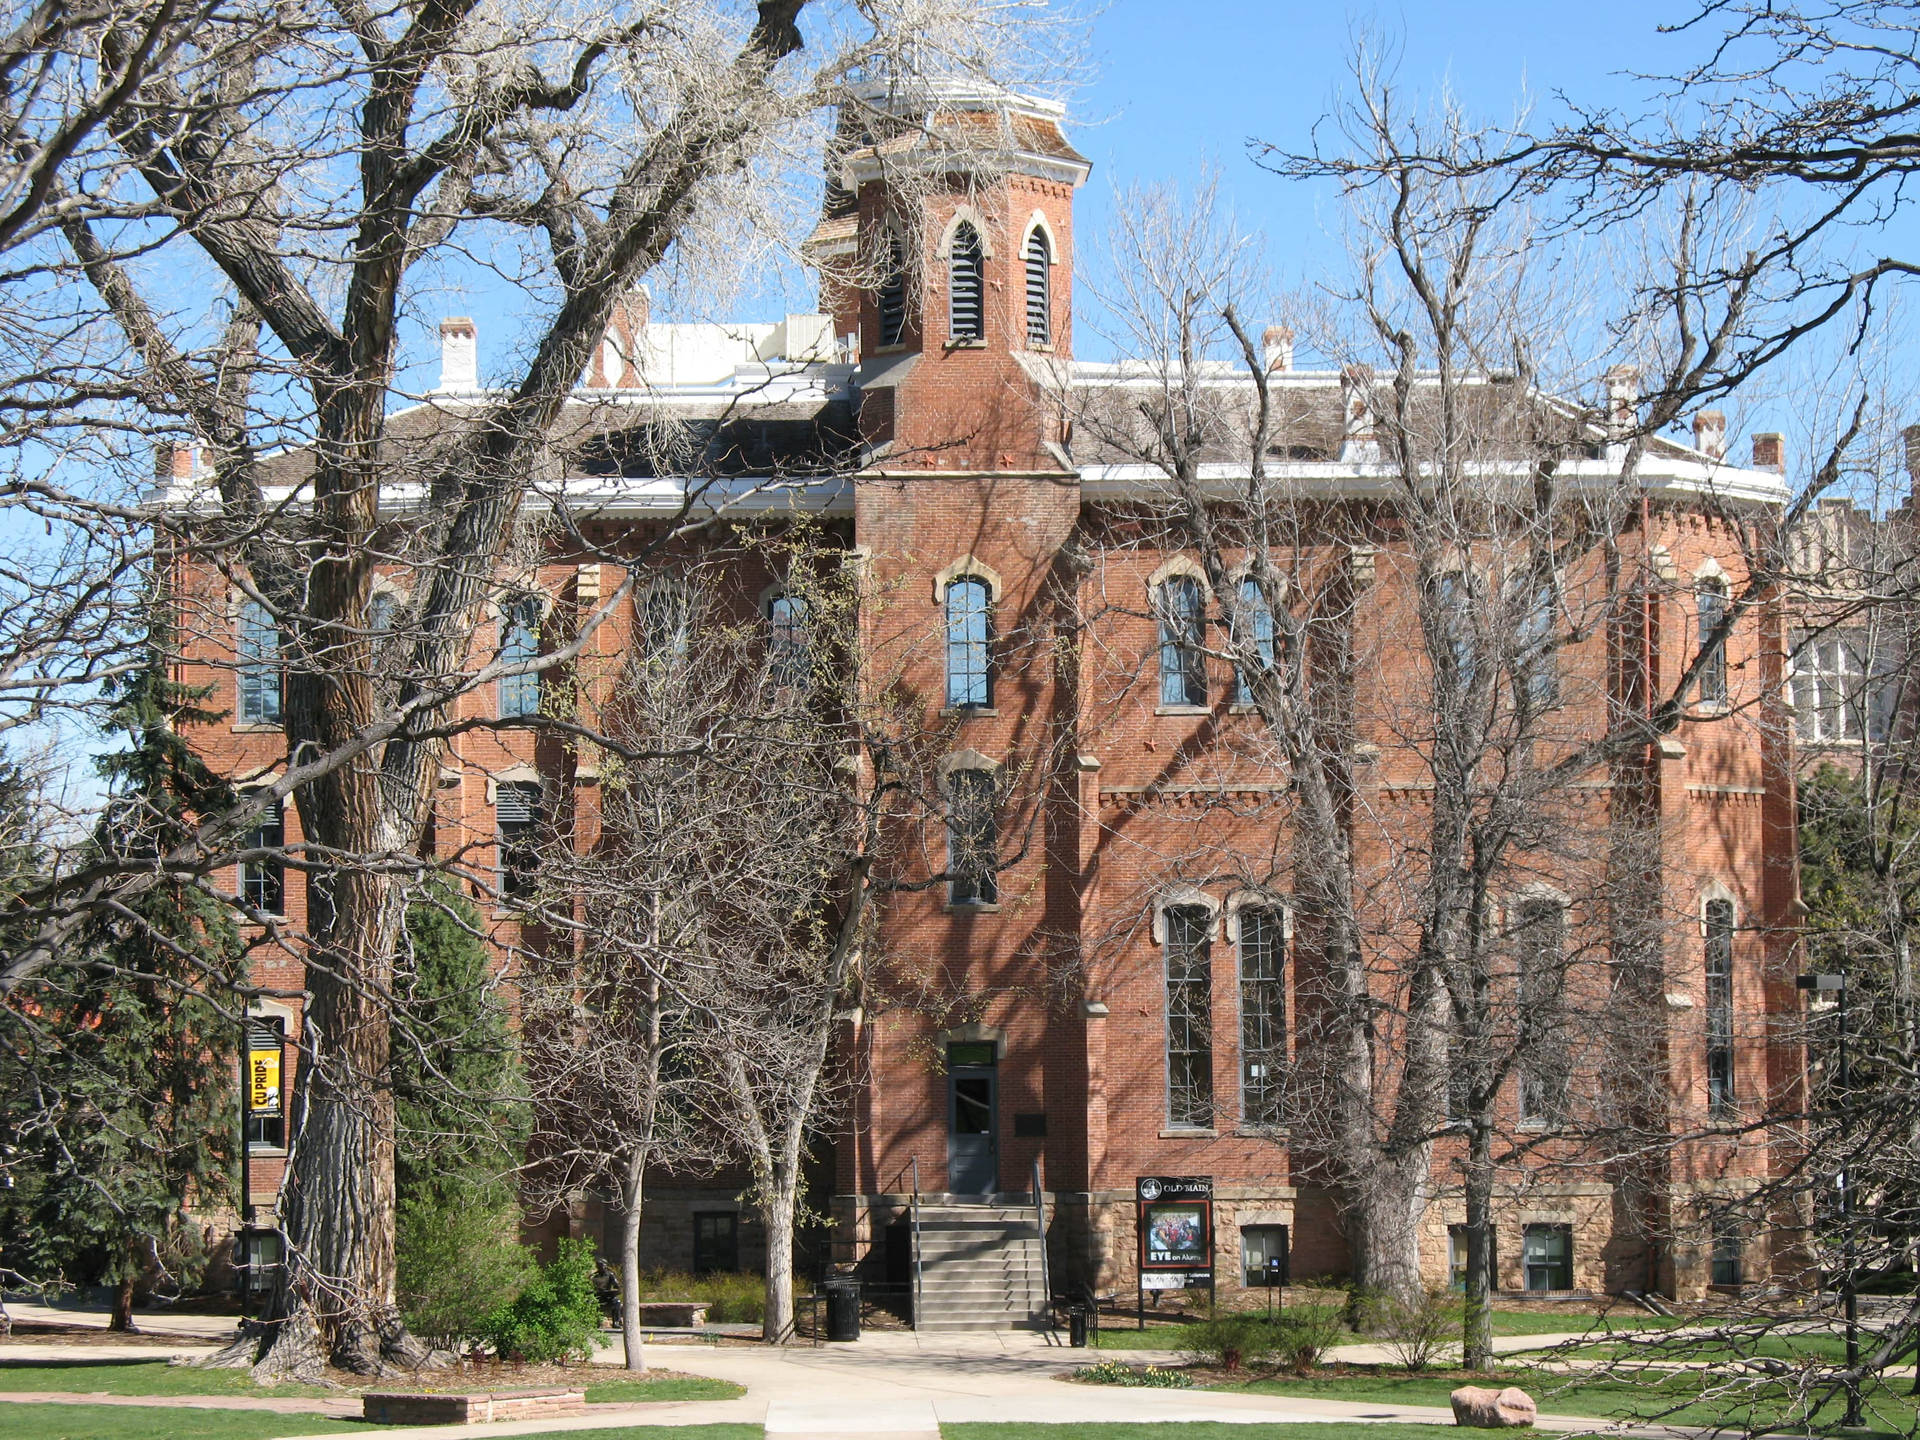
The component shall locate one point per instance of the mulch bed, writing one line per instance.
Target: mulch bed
(48, 1332)
(478, 1377)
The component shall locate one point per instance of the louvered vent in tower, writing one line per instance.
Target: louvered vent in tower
(966, 317)
(1039, 282)
(893, 294)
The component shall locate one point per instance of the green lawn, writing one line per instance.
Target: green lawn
(1184, 1430)
(1668, 1398)
(137, 1377)
(155, 1422)
(661, 1387)
(151, 1377)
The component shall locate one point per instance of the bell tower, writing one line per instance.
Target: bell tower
(946, 246)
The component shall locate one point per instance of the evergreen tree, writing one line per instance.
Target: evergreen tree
(117, 1075)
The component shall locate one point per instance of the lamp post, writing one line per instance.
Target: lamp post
(1849, 1291)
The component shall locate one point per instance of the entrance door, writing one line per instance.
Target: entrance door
(973, 1131)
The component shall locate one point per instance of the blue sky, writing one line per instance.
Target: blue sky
(1174, 85)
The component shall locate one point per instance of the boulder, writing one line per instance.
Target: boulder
(1493, 1409)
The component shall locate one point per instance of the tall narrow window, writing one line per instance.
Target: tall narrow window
(1039, 289)
(666, 621)
(1540, 939)
(1710, 601)
(1538, 677)
(259, 681)
(1263, 1015)
(1189, 952)
(1719, 968)
(788, 662)
(263, 875)
(969, 643)
(966, 310)
(1255, 620)
(519, 645)
(973, 850)
(1456, 652)
(381, 610)
(892, 296)
(1183, 661)
(266, 1101)
(516, 812)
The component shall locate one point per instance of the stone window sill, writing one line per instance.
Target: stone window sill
(266, 1152)
(972, 712)
(972, 907)
(1183, 710)
(1191, 1132)
(971, 343)
(258, 727)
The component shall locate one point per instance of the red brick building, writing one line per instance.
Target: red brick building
(1056, 979)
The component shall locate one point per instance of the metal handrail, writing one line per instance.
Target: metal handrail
(917, 1311)
(1040, 1229)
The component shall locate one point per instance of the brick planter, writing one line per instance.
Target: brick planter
(414, 1407)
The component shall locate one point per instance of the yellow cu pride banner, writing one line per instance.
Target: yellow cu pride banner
(263, 1081)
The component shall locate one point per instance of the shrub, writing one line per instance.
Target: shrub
(1227, 1341)
(1152, 1377)
(556, 1317)
(460, 1259)
(1416, 1331)
(1306, 1333)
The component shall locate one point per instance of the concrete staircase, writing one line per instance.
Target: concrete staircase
(980, 1269)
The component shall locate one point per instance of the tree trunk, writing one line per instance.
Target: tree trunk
(631, 1194)
(777, 1217)
(1383, 1227)
(1477, 1322)
(123, 1302)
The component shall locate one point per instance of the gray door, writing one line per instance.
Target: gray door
(972, 1131)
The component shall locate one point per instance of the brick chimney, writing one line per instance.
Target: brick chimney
(1278, 344)
(1360, 445)
(1770, 452)
(1710, 434)
(459, 356)
(1623, 400)
(618, 363)
(179, 464)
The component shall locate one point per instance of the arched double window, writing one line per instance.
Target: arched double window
(1039, 258)
(1710, 602)
(969, 620)
(1537, 671)
(1262, 937)
(520, 645)
(259, 674)
(1457, 655)
(966, 299)
(1540, 943)
(892, 295)
(1182, 605)
(1718, 917)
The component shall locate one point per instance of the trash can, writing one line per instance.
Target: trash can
(843, 1308)
(1077, 1326)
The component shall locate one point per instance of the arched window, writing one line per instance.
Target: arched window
(1263, 1014)
(263, 874)
(966, 311)
(973, 836)
(1540, 938)
(1039, 289)
(1719, 968)
(787, 659)
(892, 297)
(666, 620)
(1537, 677)
(259, 678)
(1188, 952)
(1710, 601)
(519, 644)
(969, 643)
(1183, 663)
(1255, 622)
(1458, 657)
(381, 610)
